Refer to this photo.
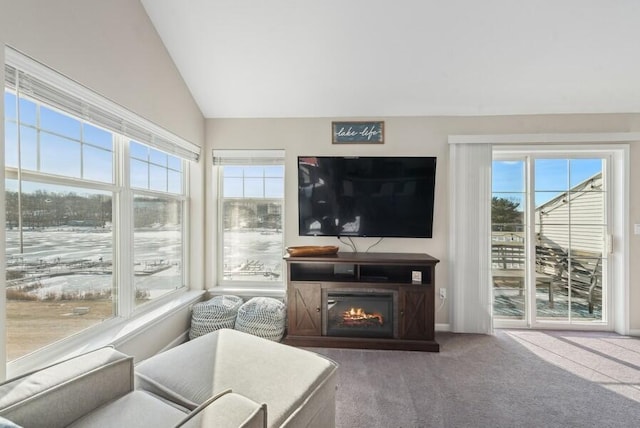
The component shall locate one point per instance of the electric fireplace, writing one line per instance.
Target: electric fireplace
(360, 313)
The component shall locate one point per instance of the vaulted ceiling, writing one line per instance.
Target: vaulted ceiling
(368, 58)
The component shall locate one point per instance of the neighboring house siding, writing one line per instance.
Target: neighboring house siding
(585, 203)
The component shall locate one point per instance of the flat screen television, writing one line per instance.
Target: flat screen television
(366, 196)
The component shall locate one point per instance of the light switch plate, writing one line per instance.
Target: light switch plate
(636, 229)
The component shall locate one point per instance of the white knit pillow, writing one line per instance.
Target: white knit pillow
(214, 314)
(263, 317)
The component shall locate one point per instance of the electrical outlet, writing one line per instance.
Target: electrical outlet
(443, 293)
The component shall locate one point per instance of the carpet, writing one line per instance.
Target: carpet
(515, 378)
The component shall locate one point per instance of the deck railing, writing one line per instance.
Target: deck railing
(554, 268)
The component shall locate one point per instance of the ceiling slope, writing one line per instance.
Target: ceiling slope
(367, 58)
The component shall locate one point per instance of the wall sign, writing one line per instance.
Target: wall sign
(358, 132)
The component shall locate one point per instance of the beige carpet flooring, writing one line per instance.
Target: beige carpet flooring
(516, 378)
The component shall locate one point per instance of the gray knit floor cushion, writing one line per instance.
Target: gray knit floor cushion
(262, 317)
(214, 314)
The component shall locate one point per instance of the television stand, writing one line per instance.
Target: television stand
(362, 300)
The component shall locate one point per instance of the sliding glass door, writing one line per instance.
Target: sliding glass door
(549, 238)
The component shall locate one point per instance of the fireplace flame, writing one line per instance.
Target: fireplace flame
(358, 314)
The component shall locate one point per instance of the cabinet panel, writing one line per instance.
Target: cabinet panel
(416, 314)
(304, 309)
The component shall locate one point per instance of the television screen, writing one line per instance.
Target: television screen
(366, 196)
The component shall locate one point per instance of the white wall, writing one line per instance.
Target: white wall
(414, 136)
(112, 48)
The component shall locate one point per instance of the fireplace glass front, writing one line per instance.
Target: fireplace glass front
(360, 313)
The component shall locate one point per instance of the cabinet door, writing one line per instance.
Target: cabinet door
(416, 313)
(304, 309)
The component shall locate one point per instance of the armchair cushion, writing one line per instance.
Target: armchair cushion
(281, 376)
(138, 408)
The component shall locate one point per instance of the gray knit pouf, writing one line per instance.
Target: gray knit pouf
(214, 314)
(262, 317)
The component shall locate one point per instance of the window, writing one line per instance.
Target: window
(74, 205)
(59, 250)
(250, 199)
(156, 179)
(153, 169)
(59, 194)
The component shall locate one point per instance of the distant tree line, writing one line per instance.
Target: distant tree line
(49, 209)
(252, 214)
(42, 209)
(149, 211)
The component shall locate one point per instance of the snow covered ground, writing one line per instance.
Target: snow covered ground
(253, 255)
(77, 261)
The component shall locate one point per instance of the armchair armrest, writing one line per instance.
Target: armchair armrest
(61, 393)
(227, 410)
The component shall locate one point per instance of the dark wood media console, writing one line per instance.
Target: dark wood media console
(406, 281)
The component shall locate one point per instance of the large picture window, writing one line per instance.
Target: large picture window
(74, 206)
(251, 195)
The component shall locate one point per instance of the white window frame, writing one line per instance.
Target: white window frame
(132, 126)
(240, 158)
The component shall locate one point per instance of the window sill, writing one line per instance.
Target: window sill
(248, 291)
(111, 332)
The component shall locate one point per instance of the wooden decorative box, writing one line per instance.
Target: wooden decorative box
(312, 250)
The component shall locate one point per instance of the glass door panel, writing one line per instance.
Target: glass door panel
(570, 227)
(508, 249)
(549, 239)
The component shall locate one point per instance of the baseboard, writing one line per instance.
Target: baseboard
(443, 327)
(447, 327)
